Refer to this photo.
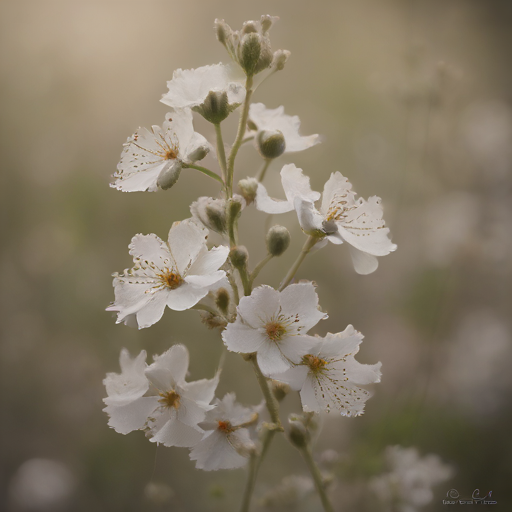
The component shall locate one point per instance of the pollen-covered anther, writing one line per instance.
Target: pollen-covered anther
(170, 154)
(170, 399)
(172, 280)
(275, 331)
(226, 427)
(315, 363)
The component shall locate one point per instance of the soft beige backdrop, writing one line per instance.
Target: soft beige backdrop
(413, 99)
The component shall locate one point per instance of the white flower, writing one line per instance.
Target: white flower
(295, 184)
(328, 376)
(189, 88)
(152, 154)
(227, 443)
(274, 325)
(267, 119)
(408, 484)
(178, 273)
(341, 218)
(172, 410)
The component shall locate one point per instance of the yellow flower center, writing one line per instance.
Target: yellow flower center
(315, 363)
(172, 280)
(275, 331)
(226, 427)
(170, 399)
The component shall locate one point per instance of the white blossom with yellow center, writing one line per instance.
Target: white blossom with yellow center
(157, 398)
(148, 154)
(274, 325)
(328, 377)
(177, 273)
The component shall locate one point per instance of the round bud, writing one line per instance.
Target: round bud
(249, 52)
(278, 240)
(239, 256)
(215, 107)
(298, 433)
(222, 300)
(280, 390)
(279, 59)
(249, 27)
(198, 154)
(266, 56)
(169, 175)
(223, 31)
(266, 22)
(271, 143)
(235, 205)
(248, 188)
(211, 212)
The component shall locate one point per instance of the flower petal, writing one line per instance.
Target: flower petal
(301, 300)
(153, 310)
(296, 183)
(169, 368)
(176, 433)
(132, 416)
(187, 295)
(150, 248)
(186, 240)
(239, 337)
(363, 262)
(210, 261)
(294, 377)
(262, 305)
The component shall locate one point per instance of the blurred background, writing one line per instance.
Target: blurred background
(414, 101)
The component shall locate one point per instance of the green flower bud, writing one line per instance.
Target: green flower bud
(249, 27)
(215, 107)
(169, 175)
(239, 256)
(279, 59)
(223, 31)
(235, 205)
(248, 188)
(298, 433)
(249, 52)
(266, 22)
(278, 240)
(211, 212)
(280, 390)
(222, 300)
(271, 143)
(198, 154)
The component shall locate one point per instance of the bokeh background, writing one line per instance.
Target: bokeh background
(414, 101)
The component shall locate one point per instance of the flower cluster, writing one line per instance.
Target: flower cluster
(270, 326)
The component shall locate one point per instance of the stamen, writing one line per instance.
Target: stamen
(275, 330)
(226, 427)
(315, 363)
(170, 399)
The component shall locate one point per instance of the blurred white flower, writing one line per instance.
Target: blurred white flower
(295, 184)
(328, 376)
(172, 410)
(41, 485)
(149, 157)
(227, 443)
(408, 484)
(274, 325)
(266, 119)
(178, 274)
(189, 88)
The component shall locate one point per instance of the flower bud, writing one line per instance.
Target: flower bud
(278, 240)
(249, 52)
(280, 390)
(211, 212)
(235, 205)
(223, 31)
(266, 56)
(215, 107)
(222, 300)
(249, 27)
(248, 188)
(169, 175)
(279, 59)
(198, 154)
(267, 22)
(239, 256)
(271, 143)
(298, 433)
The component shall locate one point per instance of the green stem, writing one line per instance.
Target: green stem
(249, 484)
(270, 399)
(246, 282)
(239, 136)
(234, 287)
(263, 170)
(247, 139)
(317, 477)
(310, 242)
(206, 171)
(221, 154)
(258, 267)
(203, 307)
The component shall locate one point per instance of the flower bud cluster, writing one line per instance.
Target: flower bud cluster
(250, 46)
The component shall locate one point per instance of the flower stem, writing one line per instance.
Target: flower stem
(239, 136)
(221, 155)
(206, 171)
(270, 399)
(258, 267)
(263, 170)
(317, 477)
(249, 484)
(310, 242)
